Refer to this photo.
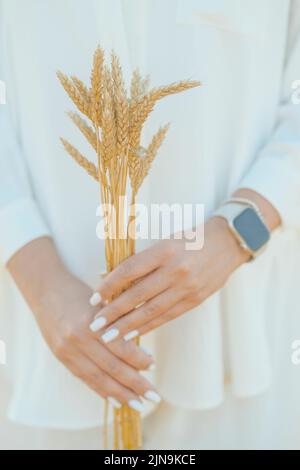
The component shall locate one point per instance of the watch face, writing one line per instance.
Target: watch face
(251, 229)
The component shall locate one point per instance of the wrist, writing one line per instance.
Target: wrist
(236, 253)
(36, 268)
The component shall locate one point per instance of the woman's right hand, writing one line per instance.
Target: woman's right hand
(60, 303)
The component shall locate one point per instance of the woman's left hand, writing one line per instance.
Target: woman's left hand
(167, 280)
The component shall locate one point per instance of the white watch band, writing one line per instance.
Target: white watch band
(230, 210)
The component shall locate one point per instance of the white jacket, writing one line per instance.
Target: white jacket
(241, 129)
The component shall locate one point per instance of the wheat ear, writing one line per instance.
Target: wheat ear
(74, 94)
(89, 167)
(108, 128)
(97, 85)
(86, 130)
(82, 89)
(121, 105)
(139, 166)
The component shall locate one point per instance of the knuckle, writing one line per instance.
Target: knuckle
(183, 268)
(151, 309)
(137, 384)
(114, 368)
(193, 284)
(125, 270)
(73, 335)
(60, 348)
(169, 249)
(93, 378)
(198, 298)
(168, 316)
(137, 294)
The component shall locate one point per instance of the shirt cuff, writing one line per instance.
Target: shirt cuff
(20, 223)
(279, 184)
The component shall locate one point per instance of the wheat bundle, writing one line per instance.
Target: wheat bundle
(114, 128)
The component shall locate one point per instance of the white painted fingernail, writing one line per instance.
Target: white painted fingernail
(146, 350)
(110, 335)
(97, 324)
(152, 367)
(115, 403)
(152, 396)
(136, 405)
(96, 299)
(131, 335)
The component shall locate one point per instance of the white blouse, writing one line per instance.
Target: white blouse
(241, 129)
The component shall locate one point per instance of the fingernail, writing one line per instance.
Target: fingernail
(97, 324)
(115, 403)
(146, 350)
(96, 299)
(110, 335)
(136, 405)
(131, 335)
(152, 396)
(152, 367)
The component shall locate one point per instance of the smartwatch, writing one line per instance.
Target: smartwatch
(247, 224)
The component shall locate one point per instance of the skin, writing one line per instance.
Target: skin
(60, 304)
(168, 280)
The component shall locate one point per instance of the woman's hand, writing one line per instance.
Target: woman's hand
(60, 305)
(167, 281)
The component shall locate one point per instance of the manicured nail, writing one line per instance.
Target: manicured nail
(136, 405)
(98, 324)
(152, 396)
(131, 335)
(146, 350)
(115, 403)
(152, 367)
(110, 335)
(96, 299)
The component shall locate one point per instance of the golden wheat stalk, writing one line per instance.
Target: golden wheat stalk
(114, 129)
(96, 85)
(121, 105)
(86, 130)
(75, 95)
(89, 167)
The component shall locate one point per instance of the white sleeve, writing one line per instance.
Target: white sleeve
(276, 172)
(20, 218)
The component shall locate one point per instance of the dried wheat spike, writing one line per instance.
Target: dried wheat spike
(139, 166)
(177, 87)
(97, 85)
(141, 109)
(89, 167)
(156, 143)
(135, 87)
(121, 105)
(139, 86)
(86, 130)
(74, 94)
(83, 90)
(108, 128)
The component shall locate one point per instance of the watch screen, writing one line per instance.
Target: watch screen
(251, 229)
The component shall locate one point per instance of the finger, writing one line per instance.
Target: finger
(134, 355)
(127, 272)
(120, 371)
(149, 287)
(173, 313)
(129, 326)
(103, 384)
